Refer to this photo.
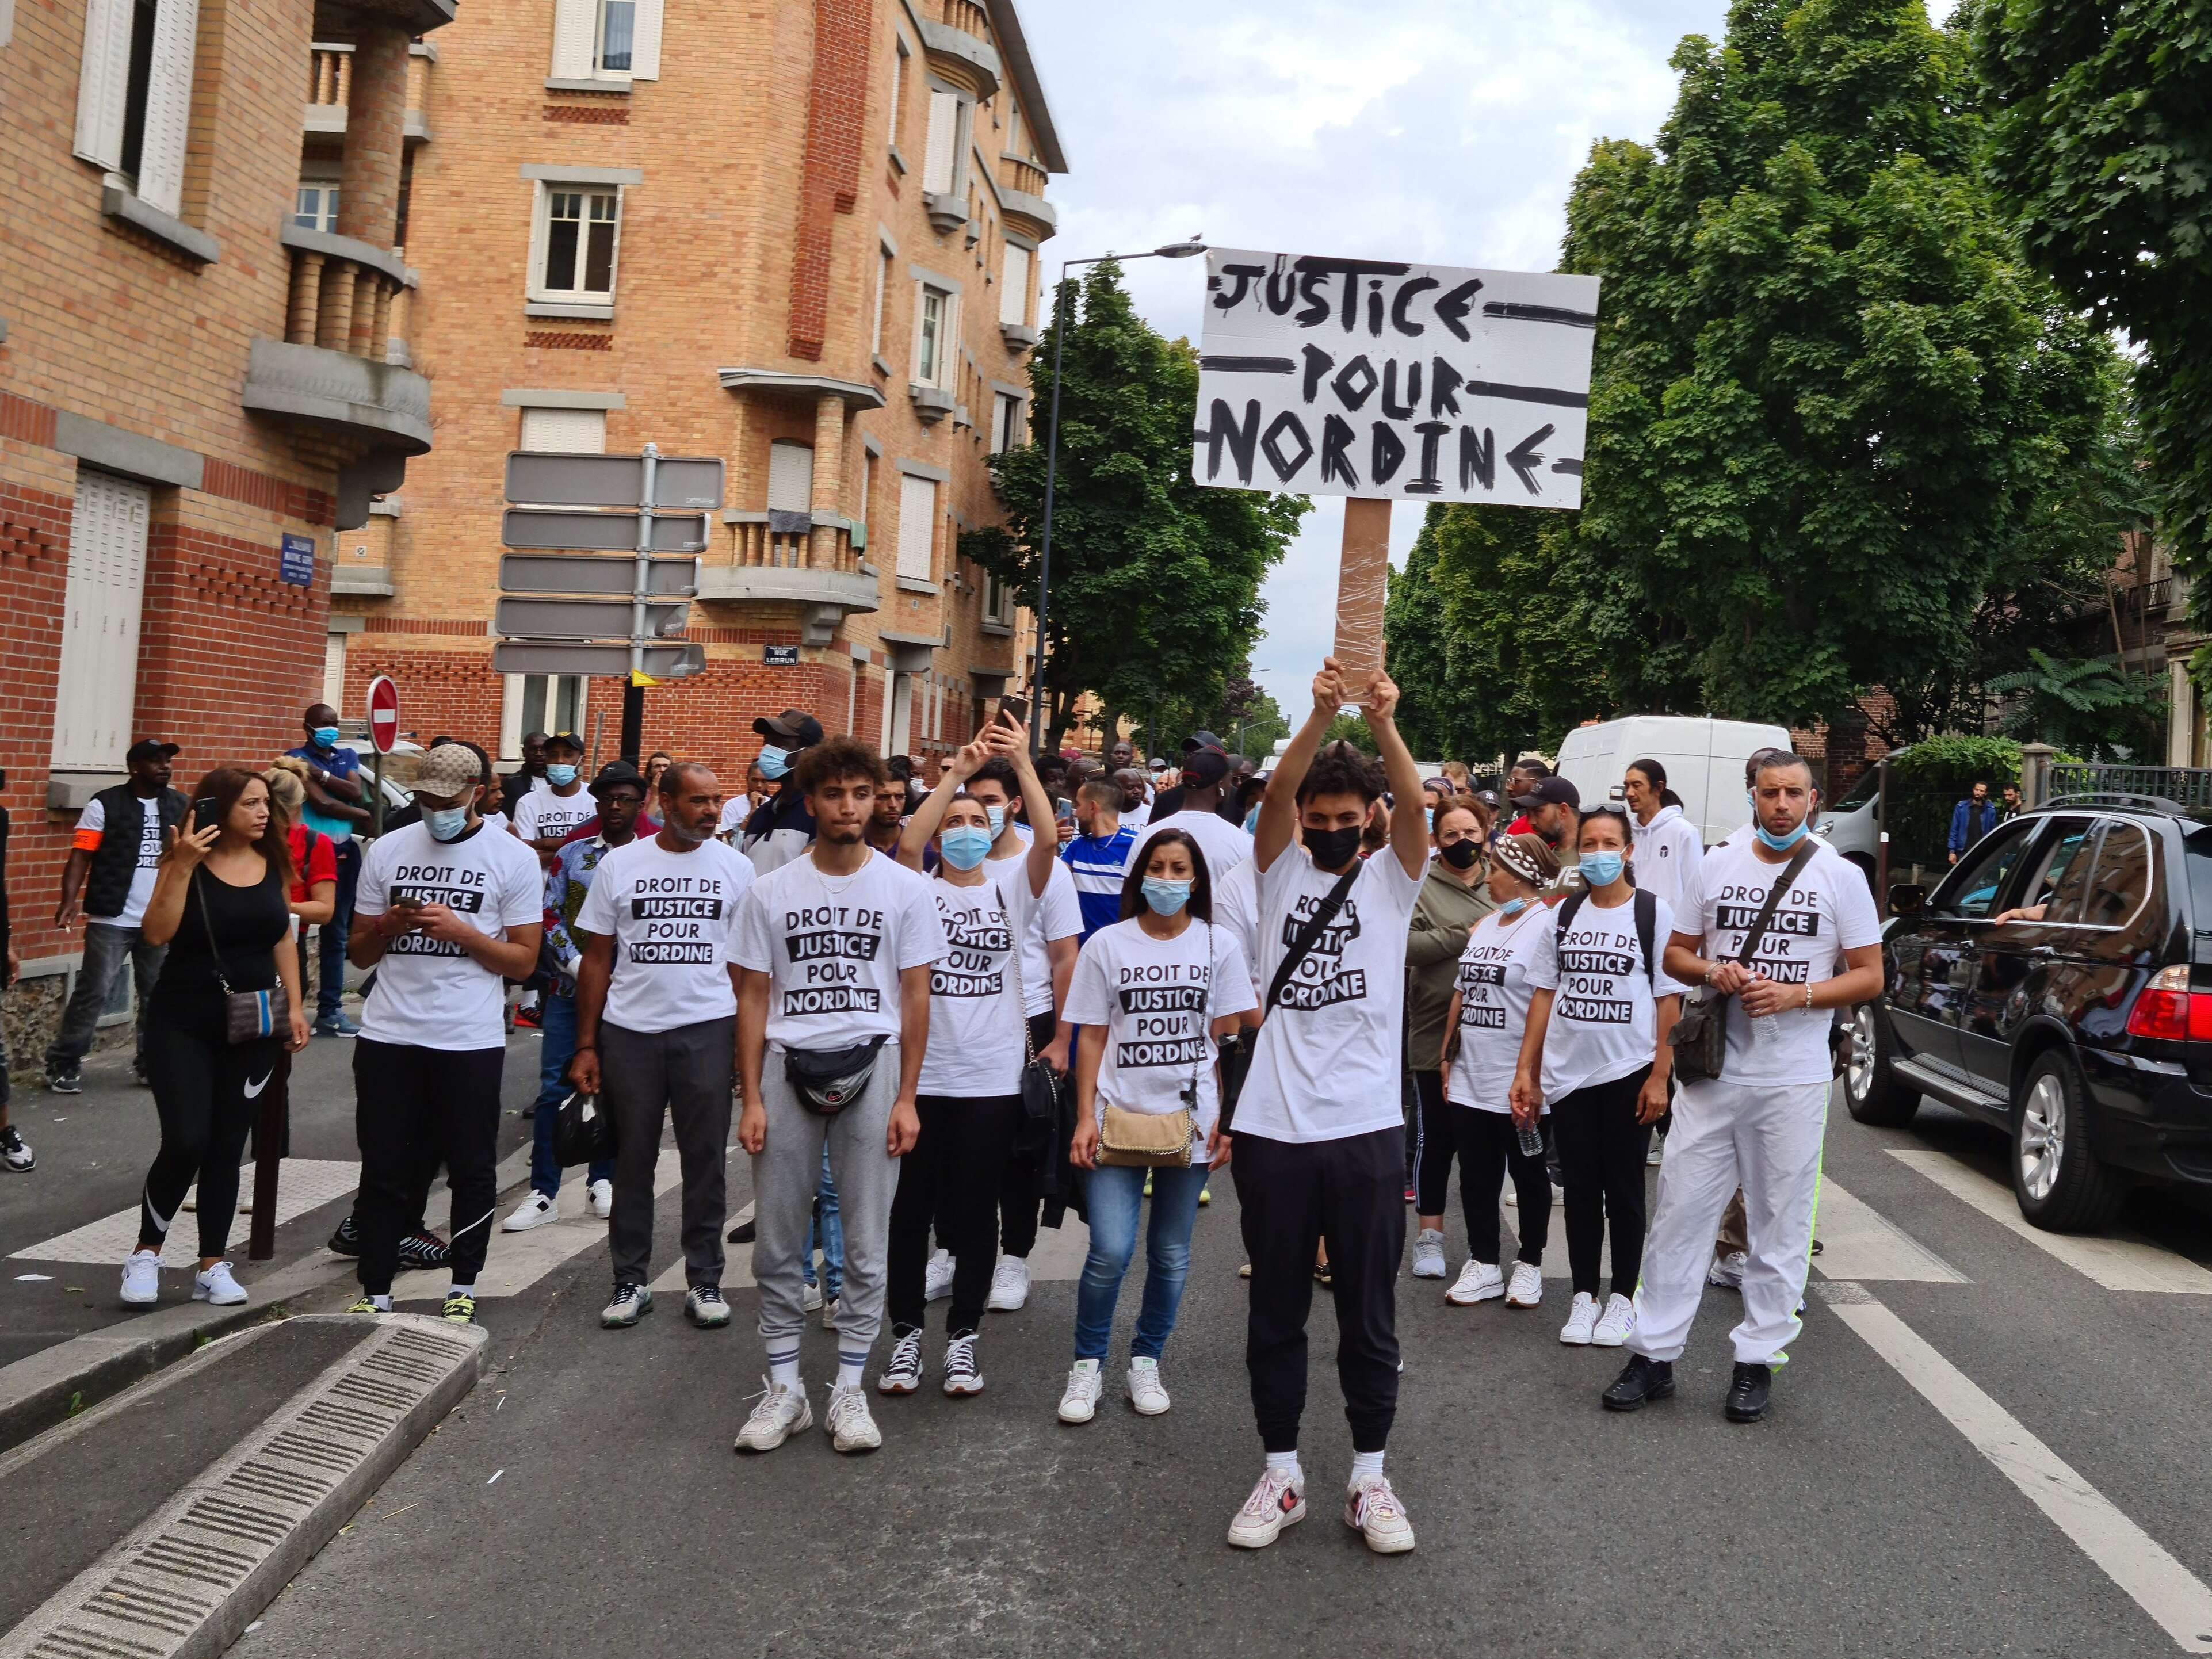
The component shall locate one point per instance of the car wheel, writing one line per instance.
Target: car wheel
(1871, 1091)
(2058, 1180)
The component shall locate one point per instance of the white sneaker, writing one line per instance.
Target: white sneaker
(1374, 1510)
(1429, 1254)
(962, 1377)
(1581, 1320)
(535, 1211)
(631, 1303)
(1614, 1327)
(1527, 1289)
(1512, 1196)
(1478, 1281)
(217, 1287)
(1727, 1271)
(1146, 1393)
(902, 1373)
(829, 1313)
(1279, 1501)
(1010, 1284)
(1653, 1158)
(809, 1297)
(602, 1195)
(937, 1277)
(141, 1277)
(851, 1427)
(1079, 1403)
(779, 1414)
(704, 1307)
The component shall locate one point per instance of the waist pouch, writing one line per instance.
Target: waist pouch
(828, 1081)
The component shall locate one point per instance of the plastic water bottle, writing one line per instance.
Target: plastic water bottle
(1532, 1139)
(1766, 1029)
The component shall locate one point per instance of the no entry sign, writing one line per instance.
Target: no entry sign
(383, 714)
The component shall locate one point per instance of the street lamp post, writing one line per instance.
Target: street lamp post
(1182, 250)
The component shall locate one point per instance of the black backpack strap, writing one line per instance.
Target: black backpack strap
(1647, 924)
(1798, 860)
(1574, 902)
(1308, 936)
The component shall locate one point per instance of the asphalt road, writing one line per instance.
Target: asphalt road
(585, 1499)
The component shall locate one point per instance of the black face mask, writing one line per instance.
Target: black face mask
(1461, 854)
(1333, 849)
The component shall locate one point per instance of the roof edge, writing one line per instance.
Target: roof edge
(1014, 51)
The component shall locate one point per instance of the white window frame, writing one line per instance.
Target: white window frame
(785, 458)
(954, 174)
(944, 372)
(580, 33)
(1007, 414)
(902, 70)
(97, 684)
(562, 431)
(326, 212)
(541, 245)
(915, 560)
(103, 109)
(334, 667)
(885, 261)
(1015, 290)
(511, 698)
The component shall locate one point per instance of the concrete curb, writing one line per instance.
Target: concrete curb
(190, 1579)
(40, 1390)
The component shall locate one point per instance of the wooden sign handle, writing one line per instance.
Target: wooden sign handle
(1363, 584)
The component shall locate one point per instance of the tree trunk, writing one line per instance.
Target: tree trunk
(1109, 722)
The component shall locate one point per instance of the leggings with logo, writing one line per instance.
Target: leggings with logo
(207, 1091)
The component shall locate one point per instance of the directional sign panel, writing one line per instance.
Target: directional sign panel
(679, 482)
(663, 662)
(1380, 379)
(587, 619)
(584, 573)
(600, 533)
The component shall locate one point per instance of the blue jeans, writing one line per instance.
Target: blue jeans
(557, 1047)
(331, 986)
(1116, 1198)
(827, 1235)
(107, 948)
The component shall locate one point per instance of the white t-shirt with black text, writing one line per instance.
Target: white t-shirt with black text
(1605, 1023)
(672, 916)
(541, 815)
(1494, 993)
(429, 994)
(147, 832)
(1158, 998)
(1237, 910)
(1224, 844)
(1326, 1062)
(1057, 914)
(833, 946)
(1828, 911)
(978, 1037)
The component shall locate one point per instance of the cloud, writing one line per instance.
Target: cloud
(1446, 132)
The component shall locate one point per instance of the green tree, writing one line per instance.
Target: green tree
(1833, 403)
(1155, 578)
(2093, 707)
(2101, 133)
(1251, 721)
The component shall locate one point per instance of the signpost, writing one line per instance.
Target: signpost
(594, 615)
(1377, 380)
(383, 733)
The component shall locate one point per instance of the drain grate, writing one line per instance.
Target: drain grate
(207, 1563)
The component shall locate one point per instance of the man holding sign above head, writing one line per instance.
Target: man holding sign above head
(656, 1028)
(1319, 1136)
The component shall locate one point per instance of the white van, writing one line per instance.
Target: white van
(1703, 760)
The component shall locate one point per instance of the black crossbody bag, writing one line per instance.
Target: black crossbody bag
(1302, 946)
(828, 1081)
(1701, 1035)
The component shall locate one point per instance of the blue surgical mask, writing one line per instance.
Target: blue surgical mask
(773, 763)
(559, 777)
(1252, 820)
(1602, 869)
(445, 822)
(1166, 898)
(325, 737)
(1776, 843)
(1432, 819)
(1512, 906)
(963, 847)
(998, 817)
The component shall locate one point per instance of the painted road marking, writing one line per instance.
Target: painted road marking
(303, 1184)
(2125, 1261)
(1856, 1243)
(1057, 1259)
(2128, 1555)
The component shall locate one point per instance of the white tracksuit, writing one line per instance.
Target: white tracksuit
(1760, 1124)
(1667, 849)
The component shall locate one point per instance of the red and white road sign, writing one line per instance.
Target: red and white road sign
(383, 714)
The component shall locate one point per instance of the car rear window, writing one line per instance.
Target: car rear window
(2064, 873)
(2121, 885)
(2196, 858)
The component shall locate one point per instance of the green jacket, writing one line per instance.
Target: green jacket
(1442, 915)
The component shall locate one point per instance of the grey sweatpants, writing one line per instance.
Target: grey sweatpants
(689, 1074)
(785, 1173)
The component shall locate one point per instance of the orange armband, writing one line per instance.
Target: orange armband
(85, 841)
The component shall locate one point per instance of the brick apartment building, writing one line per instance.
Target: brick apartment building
(194, 392)
(800, 235)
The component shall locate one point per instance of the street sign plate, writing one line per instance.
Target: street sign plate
(383, 713)
(663, 662)
(585, 619)
(780, 656)
(586, 572)
(679, 482)
(600, 533)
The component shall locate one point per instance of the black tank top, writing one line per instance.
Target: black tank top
(247, 924)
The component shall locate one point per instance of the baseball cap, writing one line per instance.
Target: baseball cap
(150, 749)
(1201, 739)
(794, 728)
(1208, 766)
(1157, 763)
(447, 770)
(567, 739)
(615, 773)
(1441, 786)
(1549, 792)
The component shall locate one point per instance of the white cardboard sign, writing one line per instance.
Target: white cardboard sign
(1369, 377)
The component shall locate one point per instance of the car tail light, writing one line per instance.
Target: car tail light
(2167, 1009)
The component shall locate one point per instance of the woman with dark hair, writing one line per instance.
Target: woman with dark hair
(1451, 901)
(1150, 995)
(221, 903)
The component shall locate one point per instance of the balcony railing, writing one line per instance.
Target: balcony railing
(769, 541)
(330, 74)
(346, 295)
(1016, 174)
(967, 17)
(329, 87)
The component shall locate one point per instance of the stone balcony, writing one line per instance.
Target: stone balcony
(956, 36)
(330, 89)
(773, 562)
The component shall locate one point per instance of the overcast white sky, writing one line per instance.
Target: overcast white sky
(1445, 131)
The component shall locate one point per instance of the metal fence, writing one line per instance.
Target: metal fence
(2185, 785)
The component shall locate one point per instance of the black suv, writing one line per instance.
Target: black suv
(2087, 1032)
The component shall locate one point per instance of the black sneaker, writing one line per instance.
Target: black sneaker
(14, 1153)
(346, 1240)
(64, 1081)
(1643, 1381)
(742, 1233)
(1750, 1393)
(423, 1250)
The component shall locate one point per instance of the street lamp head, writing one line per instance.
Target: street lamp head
(1182, 250)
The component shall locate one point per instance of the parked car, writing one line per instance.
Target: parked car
(2087, 1033)
(1703, 760)
(1853, 825)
